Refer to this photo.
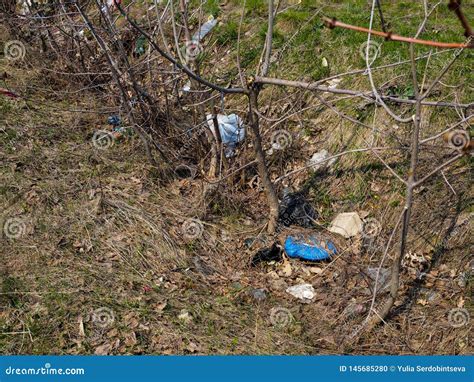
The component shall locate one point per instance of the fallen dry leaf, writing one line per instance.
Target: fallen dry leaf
(103, 349)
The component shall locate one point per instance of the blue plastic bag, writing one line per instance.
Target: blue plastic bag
(205, 29)
(114, 120)
(232, 131)
(309, 248)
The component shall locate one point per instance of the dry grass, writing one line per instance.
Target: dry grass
(103, 233)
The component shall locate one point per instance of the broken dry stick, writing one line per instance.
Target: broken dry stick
(333, 23)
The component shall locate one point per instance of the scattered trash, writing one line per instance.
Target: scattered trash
(347, 224)
(139, 46)
(232, 131)
(294, 209)
(319, 160)
(114, 120)
(118, 131)
(185, 316)
(303, 292)
(193, 48)
(268, 254)
(309, 248)
(258, 294)
(187, 87)
(382, 282)
(205, 29)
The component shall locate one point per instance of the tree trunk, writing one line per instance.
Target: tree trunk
(260, 157)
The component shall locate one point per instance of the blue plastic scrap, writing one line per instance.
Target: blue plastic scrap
(114, 120)
(205, 29)
(309, 248)
(231, 128)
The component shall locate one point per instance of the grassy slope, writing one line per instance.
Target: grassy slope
(103, 233)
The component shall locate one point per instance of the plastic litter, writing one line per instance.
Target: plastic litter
(232, 131)
(185, 316)
(309, 248)
(139, 46)
(205, 29)
(347, 224)
(187, 87)
(303, 292)
(114, 120)
(118, 131)
(294, 209)
(197, 37)
(383, 279)
(274, 253)
(318, 160)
